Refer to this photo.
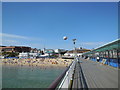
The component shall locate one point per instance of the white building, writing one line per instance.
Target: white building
(78, 51)
(23, 55)
(59, 50)
(29, 55)
(72, 54)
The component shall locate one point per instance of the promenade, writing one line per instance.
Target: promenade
(96, 75)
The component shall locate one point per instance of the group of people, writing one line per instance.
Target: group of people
(37, 62)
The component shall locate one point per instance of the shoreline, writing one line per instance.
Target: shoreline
(41, 62)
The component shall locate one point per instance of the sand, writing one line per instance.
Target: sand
(41, 62)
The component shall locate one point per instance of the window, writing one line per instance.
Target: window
(111, 54)
(114, 53)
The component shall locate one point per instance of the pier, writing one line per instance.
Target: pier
(88, 71)
(89, 74)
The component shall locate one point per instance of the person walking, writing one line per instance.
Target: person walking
(98, 58)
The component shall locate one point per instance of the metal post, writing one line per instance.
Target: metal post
(74, 48)
(118, 60)
(108, 57)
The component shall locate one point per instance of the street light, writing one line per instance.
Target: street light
(74, 41)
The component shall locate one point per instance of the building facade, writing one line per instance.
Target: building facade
(35, 50)
(78, 52)
(14, 49)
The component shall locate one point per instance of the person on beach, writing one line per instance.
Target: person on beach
(37, 62)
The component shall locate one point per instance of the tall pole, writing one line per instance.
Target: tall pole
(74, 41)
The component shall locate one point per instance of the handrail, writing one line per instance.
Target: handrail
(57, 80)
(68, 73)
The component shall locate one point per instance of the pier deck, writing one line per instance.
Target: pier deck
(96, 75)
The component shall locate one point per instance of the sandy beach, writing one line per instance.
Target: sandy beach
(41, 62)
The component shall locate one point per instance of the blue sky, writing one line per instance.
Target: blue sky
(44, 24)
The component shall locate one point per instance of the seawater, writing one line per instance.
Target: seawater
(28, 77)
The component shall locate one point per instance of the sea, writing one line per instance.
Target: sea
(29, 77)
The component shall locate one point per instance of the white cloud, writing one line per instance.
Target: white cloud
(11, 41)
(8, 42)
(92, 43)
(18, 40)
(13, 36)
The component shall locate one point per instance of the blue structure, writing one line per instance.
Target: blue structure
(11, 57)
(109, 52)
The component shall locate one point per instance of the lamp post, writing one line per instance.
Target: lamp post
(74, 42)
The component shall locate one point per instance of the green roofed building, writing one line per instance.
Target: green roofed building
(109, 51)
(49, 51)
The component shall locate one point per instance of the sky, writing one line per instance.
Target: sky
(44, 24)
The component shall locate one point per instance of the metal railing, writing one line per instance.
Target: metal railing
(67, 80)
(57, 81)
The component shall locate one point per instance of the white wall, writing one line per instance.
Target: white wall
(72, 54)
(28, 55)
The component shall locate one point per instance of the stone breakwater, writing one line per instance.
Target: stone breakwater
(42, 62)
